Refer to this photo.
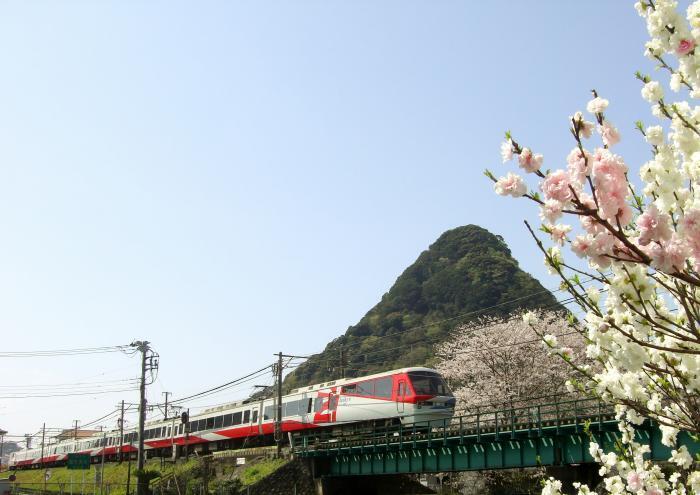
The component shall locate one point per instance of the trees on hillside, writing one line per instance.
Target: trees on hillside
(642, 247)
(499, 362)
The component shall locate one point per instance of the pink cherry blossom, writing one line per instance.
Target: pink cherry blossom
(654, 491)
(551, 210)
(634, 481)
(690, 228)
(506, 150)
(668, 257)
(685, 46)
(530, 162)
(608, 173)
(581, 244)
(653, 226)
(579, 165)
(557, 186)
(609, 133)
(558, 233)
(510, 185)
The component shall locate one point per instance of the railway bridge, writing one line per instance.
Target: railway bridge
(550, 434)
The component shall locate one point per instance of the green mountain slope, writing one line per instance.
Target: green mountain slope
(464, 272)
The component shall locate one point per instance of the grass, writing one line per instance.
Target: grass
(259, 470)
(115, 476)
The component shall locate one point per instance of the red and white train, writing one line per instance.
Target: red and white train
(408, 395)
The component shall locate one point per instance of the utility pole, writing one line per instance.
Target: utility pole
(41, 461)
(121, 434)
(2, 441)
(165, 412)
(75, 429)
(28, 440)
(102, 464)
(278, 415)
(141, 459)
(187, 434)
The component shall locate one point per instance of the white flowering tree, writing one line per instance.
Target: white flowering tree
(642, 247)
(499, 362)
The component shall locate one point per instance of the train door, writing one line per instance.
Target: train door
(401, 396)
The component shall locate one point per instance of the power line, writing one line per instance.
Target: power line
(65, 352)
(69, 394)
(219, 387)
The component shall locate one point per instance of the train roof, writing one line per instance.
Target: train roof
(342, 381)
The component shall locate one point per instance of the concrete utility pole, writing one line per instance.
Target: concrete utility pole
(121, 433)
(165, 412)
(141, 459)
(2, 441)
(41, 460)
(75, 429)
(278, 415)
(186, 420)
(102, 463)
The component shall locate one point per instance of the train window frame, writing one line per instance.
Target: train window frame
(385, 381)
(228, 420)
(218, 422)
(210, 423)
(246, 416)
(318, 404)
(309, 406)
(350, 388)
(237, 417)
(365, 388)
(333, 402)
(255, 416)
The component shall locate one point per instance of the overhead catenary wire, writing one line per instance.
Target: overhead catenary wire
(65, 352)
(67, 394)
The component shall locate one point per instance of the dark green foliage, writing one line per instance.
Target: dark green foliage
(468, 272)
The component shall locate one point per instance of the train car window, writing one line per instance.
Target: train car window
(210, 423)
(366, 388)
(290, 409)
(162, 432)
(237, 418)
(350, 389)
(309, 405)
(383, 387)
(268, 413)
(318, 404)
(333, 405)
(255, 416)
(228, 419)
(218, 421)
(427, 383)
(246, 416)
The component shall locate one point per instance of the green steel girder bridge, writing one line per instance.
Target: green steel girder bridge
(552, 434)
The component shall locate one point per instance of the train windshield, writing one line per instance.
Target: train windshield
(427, 383)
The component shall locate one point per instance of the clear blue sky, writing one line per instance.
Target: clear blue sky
(228, 179)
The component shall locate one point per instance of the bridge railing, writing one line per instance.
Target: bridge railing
(498, 424)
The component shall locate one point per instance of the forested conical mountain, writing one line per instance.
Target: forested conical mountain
(468, 272)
